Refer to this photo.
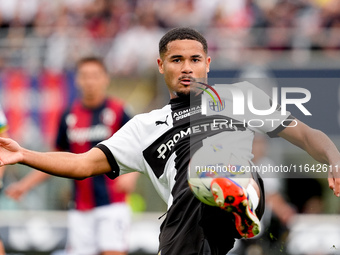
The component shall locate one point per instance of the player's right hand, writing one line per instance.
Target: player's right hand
(10, 152)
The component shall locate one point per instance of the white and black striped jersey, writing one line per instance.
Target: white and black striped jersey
(159, 143)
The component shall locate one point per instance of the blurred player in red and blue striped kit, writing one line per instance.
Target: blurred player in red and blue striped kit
(98, 222)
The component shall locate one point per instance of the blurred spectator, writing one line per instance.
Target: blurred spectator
(183, 13)
(58, 43)
(21, 11)
(279, 24)
(136, 45)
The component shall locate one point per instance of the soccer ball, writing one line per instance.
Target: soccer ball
(211, 162)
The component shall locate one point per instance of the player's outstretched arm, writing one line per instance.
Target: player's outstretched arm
(64, 164)
(319, 146)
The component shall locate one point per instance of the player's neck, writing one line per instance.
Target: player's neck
(93, 102)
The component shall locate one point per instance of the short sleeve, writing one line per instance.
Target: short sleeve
(123, 150)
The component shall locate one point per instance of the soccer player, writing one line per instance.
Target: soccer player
(100, 219)
(159, 144)
(3, 133)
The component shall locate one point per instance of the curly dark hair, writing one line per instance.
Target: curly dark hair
(181, 33)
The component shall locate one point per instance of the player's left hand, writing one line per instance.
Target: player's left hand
(334, 178)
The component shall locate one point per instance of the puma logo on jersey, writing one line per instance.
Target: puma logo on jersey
(159, 122)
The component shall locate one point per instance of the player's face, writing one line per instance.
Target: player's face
(183, 60)
(92, 80)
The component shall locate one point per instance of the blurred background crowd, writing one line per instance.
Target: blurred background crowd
(41, 40)
(39, 34)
